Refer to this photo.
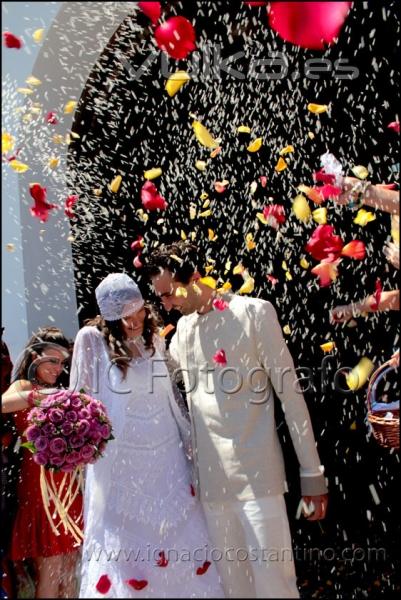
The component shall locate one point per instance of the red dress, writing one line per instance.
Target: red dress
(32, 535)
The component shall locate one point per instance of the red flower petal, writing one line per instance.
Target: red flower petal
(395, 126)
(137, 584)
(220, 304)
(162, 562)
(138, 244)
(308, 24)
(202, 570)
(103, 585)
(377, 295)
(220, 357)
(323, 244)
(176, 36)
(321, 176)
(51, 118)
(263, 180)
(192, 490)
(41, 208)
(151, 199)
(69, 203)
(11, 40)
(273, 280)
(355, 249)
(153, 10)
(329, 191)
(274, 214)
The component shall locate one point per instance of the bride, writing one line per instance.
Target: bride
(144, 530)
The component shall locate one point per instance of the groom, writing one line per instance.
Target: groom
(232, 353)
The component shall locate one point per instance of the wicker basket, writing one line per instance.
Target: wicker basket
(386, 431)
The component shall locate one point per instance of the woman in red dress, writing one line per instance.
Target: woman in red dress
(55, 557)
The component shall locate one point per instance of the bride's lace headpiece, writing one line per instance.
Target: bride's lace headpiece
(118, 296)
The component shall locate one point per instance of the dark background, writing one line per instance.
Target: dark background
(127, 126)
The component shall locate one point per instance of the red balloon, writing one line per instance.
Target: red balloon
(308, 24)
(176, 36)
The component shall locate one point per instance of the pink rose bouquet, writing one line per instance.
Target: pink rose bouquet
(66, 431)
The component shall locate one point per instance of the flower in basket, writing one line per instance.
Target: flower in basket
(66, 431)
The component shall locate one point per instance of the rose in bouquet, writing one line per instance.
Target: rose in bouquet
(66, 430)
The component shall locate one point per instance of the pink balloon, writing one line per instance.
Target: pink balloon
(176, 36)
(308, 24)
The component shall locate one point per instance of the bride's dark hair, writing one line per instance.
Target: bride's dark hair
(114, 336)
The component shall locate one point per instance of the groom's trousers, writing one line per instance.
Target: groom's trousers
(252, 550)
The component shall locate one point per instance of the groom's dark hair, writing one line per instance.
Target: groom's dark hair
(180, 258)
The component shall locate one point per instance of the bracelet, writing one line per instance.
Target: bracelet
(357, 194)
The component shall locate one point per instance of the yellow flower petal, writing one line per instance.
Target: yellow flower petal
(70, 107)
(192, 211)
(25, 91)
(304, 263)
(320, 215)
(18, 166)
(203, 136)
(7, 142)
(288, 276)
(205, 213)
(287, 330)
(300, 208)
(238, 269)
(261, 218)
(287, 150)
(360, 171)
(31, 80)
(58, 138)
(364, 217)
(317, 109)
(209, 269)
(250, 243)
(204, 195)
(183, 235)
(281, 165)
(53, 162)
(226, 287)
(114, 186)
(211, 234)
(284, 265)
(175, 82)
(243, 129)
(200, 165)
(206, 204)
(360, 374)
(311, 135)
(181, 292)
(153, 173)
(38, 35)
(209, 281)
(327, 346)
(255, 145)
(247, 287)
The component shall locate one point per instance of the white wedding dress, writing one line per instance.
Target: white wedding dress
(144, 532)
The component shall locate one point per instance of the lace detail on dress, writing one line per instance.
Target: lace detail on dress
(162, 514)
